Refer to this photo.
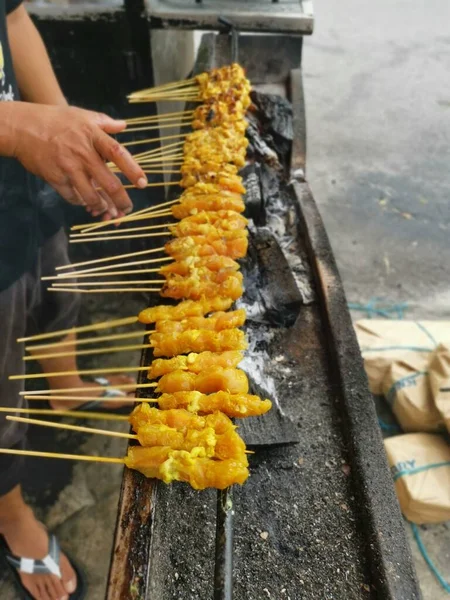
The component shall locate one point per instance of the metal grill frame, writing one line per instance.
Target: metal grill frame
(387, 550)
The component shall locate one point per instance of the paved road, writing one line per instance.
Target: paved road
(378, 113)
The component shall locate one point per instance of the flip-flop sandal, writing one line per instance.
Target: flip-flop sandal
(50, 565)
(96, 405)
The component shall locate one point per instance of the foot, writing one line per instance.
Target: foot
(26, 537)
(59, 383)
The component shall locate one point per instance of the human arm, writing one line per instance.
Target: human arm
(66, 146)
(35, 76)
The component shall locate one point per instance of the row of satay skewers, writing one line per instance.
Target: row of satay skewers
(197, 344)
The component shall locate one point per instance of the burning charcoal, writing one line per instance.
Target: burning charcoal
(275, 114)
(258, 148)
(271, 294)
(253, 198)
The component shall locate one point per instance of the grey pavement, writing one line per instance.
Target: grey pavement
(378, 119)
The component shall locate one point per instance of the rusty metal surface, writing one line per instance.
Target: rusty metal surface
(285, 16)
(390, 560)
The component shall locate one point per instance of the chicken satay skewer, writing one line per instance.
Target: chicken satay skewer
(94, 430)
(150, 464)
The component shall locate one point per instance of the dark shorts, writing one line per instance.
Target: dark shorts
(27, 308)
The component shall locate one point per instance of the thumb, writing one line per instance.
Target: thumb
(108, 124)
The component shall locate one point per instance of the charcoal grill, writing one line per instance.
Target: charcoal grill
(316, 519)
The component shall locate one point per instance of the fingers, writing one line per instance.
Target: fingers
(112, 190)
(90, 196)
(112, 151)
(69, 194)
(108, 124)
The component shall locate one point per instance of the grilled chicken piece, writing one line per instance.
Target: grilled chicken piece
(191, 264)
(178, 419)
(197, 340)
(212, 379)
(161, 462)
(209, 232)
(195, 363)
(206, 441)
(183, 310)
(193, 287)
(233, 405)
(216, 322)
(193, 204)
(200, 245)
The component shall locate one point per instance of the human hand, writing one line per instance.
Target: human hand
(68, 147)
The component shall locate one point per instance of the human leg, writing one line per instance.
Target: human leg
(24, 535)
(53, 311)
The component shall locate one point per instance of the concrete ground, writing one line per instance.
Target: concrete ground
(378, 112)
(378, 117)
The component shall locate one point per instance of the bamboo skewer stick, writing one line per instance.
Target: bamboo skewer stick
(159, 117)
(91, 340)
(84, 457)
(82, 329)
(80, 428)
(120, 386)
(141, 214)
(108, 258)
(116, 231)
(68, 276)
(104, 291)
(73, 414)
(122, 237)
(118, 400)
(163, 86)
(182, 92)
(157, 158)
(87, 352)
(150, 185)
(154, 140)
(83, 372)
(165, 125)
(164, 150)
(94, 283)
(164, 212)
(136, 262)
